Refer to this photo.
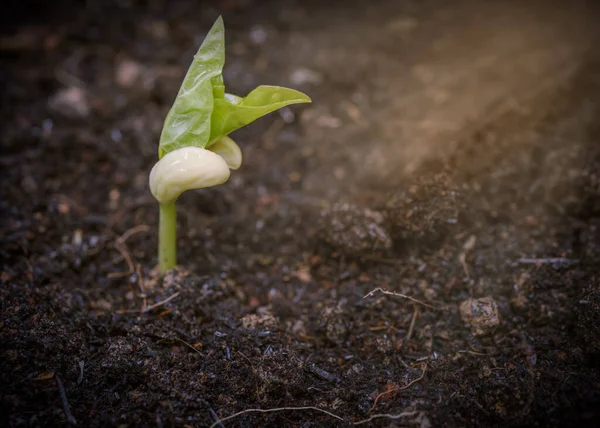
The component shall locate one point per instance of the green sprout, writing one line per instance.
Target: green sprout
(194, 150)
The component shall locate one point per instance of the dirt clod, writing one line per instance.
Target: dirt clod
(480, 314)
(354, 230)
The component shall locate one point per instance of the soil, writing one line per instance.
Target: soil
(450, 156)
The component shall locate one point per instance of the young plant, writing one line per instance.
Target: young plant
(194, 150)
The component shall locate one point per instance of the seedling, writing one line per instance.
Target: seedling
(194, 150)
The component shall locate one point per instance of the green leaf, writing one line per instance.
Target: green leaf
(203, 113)
(189, 120)
(231, 112)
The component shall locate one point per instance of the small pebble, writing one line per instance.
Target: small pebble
(481, 314)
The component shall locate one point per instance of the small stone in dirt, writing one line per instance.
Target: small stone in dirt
(354, 230)
(71, 102)
(263, 320)
(336, 328)
(322, 374)
(384, 344)
(481, 314)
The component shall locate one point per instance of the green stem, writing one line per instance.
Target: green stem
(167, 237)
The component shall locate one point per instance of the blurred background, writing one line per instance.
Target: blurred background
(395, 83)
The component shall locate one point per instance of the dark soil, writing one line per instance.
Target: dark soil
(452, 152)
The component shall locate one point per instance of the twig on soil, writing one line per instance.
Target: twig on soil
(411, 383)
(380, 327)
(468, 351)
(408, 385)
(393, 293)
(216, 417)
(386, 415)
(162, 302)
(278, 409)
(182, 341)
(149, 308)
(247, 359)
(551, 260)
(339, 418)
(138, 271)
(130, 232)
(462, 258)
(116, 217)
(80, 378)
(412, 324)
(123, 250)
(377, 416)
(212, 412)
(65, 401)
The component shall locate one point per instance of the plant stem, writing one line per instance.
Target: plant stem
(167, 237)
